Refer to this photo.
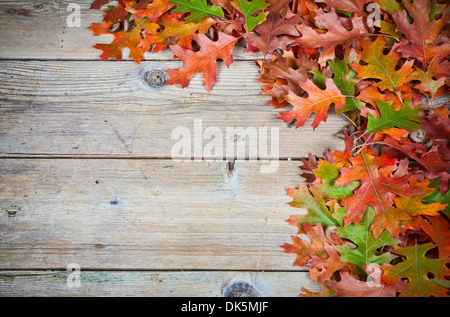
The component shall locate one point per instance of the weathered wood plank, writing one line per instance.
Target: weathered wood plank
(144, 214)
(38, 30)
(153, 284)
(73, 108)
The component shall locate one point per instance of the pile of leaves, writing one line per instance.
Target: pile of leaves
(377, 212)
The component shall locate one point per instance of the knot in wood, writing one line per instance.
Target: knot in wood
(155, 78)
(240, 289)
(12, 211)
(39, 6)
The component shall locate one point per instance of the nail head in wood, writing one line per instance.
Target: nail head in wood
(155, 78)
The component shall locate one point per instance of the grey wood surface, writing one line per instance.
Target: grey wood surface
(86, 174)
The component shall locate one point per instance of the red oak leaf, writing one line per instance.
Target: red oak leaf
(377, 189)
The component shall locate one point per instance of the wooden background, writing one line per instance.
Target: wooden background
(86, 174)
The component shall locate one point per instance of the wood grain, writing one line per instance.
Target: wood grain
(104, 109)
(145, 214)
(153, 284)
(43, 33)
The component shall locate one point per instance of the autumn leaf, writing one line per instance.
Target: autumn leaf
(354, 6)
(376, 190)
(249, 10)
(415, 205)
(346, 79)
(349, 286)
(173, 28)
(422, 33)
(382, 67)
(306, 250)
(437, 228)
(202, 61)
(415, 268)
(122, 40)
(336, 35)
(322, 268)
(153, 11)
(311, 200)
(429, 84)
(274, 33)
(318, 101)
(97, 4)
(198, 9)
(362, 236)
(327, 174)
(405, 118)
(284, 73)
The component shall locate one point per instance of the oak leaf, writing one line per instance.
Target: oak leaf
(336, 35)
(422, 33)
(274, 33)
(382, 67)
(202, 61)
(122, 40)
(306, 250)
(405, 118)
(416, 268)
(318, 101)
(349, 286)
(173, 29)
(250, 11)
(198, 9)
(153, 11)
(362, 236)
(377, 190)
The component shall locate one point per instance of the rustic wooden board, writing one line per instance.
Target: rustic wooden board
(41, 32)
(154, 284)
(144, 214)
(100, 109)
(86, 175)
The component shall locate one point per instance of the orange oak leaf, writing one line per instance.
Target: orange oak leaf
(414, 205)
(382, 67)
(306, 250)
(202, 61)
(318, 101)
(122, 40)
(337, 34)
(153, 11)
(437, 228)
(173, 28)
(422, 33)
(378, 188)
(323, 268)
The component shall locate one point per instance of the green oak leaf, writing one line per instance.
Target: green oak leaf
(346, 79)
(390, 118)
(436, 196)
(198, 9)
(311, 200)
(328, 173)
(416, 268)
(248, 9)
(361, 235)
